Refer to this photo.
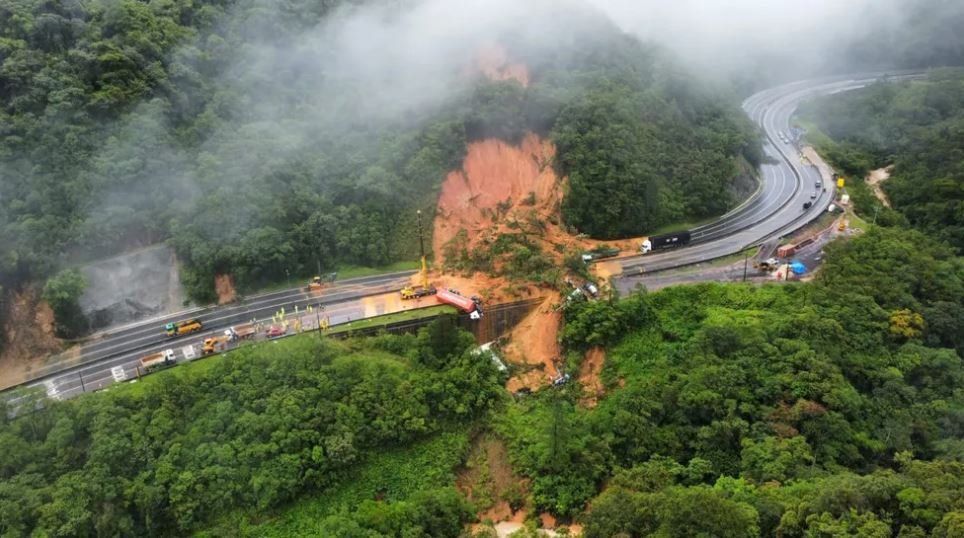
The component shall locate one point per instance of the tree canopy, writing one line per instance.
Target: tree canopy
(736, 410)
(251, 430)
(237, 135)
(916, 127)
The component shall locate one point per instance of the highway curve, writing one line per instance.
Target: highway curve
(776, 209)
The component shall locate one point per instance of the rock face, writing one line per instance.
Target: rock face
(131, 287)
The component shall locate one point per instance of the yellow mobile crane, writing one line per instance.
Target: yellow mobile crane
(410, 292)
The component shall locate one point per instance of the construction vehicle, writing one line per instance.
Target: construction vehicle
(767, 266)
(158, 360)
(316, 284)
(472, 307)
(215, 344)
(785, 251)
(659, 242)
(319, 282)
(413, 292)
(241, 332)
(181, 328)
(600, 253)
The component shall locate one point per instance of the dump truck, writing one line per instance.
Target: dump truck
(242, 332)
(600, 253)
(181, 328)
(158, 360)
(660, 242)
(785, 251)
(472, 306)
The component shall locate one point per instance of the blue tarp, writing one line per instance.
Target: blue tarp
(798, 267)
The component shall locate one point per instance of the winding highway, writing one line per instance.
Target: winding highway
(775, 210)
(787, 183)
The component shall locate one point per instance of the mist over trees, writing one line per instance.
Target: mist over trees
(263, 139)
(258, 152)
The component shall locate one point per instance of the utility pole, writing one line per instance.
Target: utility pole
(82, 387)
(746, 259)
(288, 276)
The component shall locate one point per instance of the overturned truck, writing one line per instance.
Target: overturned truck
(472, 307)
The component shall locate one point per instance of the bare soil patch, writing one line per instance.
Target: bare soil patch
(29, 334)
(875, 178)
(589, 370)
(493, 61)
(488, 480)
(224, 285)
(499, 182)
(533, 346)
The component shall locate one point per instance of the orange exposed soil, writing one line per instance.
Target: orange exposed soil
(224, 285)
(534, 344)
(495, 173)
(589, 372)
(493, 61)
(29, 336)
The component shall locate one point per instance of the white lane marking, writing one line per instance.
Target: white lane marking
(52, 390)
(118, 373)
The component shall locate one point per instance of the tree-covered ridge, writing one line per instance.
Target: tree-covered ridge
(251, 430)
(778, 395)
(237, 133)
(643, 149)
(918, 127)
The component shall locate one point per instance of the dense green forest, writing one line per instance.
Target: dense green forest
(248, 431)
(256, 151)
(829, 409)
(918, 127)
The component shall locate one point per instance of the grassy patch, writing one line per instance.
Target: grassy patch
(352, 271)
(390, 475)
(181, 370)
(344, 273)
(397, 317)
(677, 226)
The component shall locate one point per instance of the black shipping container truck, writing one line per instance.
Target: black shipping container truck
(672, 240)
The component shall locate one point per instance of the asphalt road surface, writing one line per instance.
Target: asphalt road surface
(776, 209)
(742, 270)
(90, 364)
